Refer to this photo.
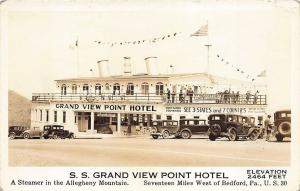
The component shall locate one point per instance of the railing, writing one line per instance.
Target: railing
(153, 98)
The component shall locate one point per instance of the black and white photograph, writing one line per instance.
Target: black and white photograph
(184, 89)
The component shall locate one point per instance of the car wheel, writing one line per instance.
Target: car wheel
(165, 134)
(279, 138)
(232, 134)
(185, 134)
(71, 136)
(155, 136)
(12, 135)
(55, 136)
(212, 137)
(26, 136)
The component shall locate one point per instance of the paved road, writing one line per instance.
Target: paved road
(145, 151)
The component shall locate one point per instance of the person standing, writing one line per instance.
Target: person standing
(180, 96)
(173, 96)
(168, 95)
(268, 127)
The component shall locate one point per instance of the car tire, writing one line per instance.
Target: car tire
(26, 136)
(212, 137)
(155, 136)
(12, 136)
(232, 135)
(185, 134)
(279, 138)
(71, 136)
(55, 136)
(284, 128)
(165, 134)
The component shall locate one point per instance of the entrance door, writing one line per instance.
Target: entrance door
(83, 121)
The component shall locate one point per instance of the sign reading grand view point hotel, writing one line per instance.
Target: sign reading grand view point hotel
(126, 95)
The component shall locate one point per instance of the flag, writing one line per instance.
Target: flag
(262, 74)
(203, 31)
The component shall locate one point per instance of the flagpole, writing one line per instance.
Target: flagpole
(208, 45)
(77, 57)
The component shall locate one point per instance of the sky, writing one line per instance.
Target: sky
(251, 37)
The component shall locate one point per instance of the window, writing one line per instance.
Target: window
(64, 117)
(47, 115)
(169, 117)
(41, 115)
(63, 89)
(130, 89)
(145, 88)
(182, 117)
(159, 88)
(158, 117)
(107, 87)
(85, 88)
(74, 88)
(97, 89)
(196, 117)
(116, 89)
(55, 116)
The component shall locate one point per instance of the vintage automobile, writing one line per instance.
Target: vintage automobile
(56, 131)
(34, 132)
(231, 126)
(282, 124)
(16, 131)
(189, 127)
(164, 128)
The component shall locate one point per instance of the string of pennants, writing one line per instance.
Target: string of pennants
(237, 69)
(138, 42)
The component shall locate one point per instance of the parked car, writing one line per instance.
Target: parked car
(189, 127)
(34, 132)
(164, 128)
(282, 123)
(16, 131)
(56, 131)
(231, 126)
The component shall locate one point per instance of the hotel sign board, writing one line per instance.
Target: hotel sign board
(106, 107)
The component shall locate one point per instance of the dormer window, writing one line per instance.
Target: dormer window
(145, 88)
(159, 88)
(130, 89)
(85, 88)
(74, 88)
(63, 89)
(116, 89)
(97, 89)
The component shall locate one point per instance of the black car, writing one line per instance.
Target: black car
(56, 131)
(16, 131)
(189, 127)
(164, 128)
(231, 126)
(282, 122)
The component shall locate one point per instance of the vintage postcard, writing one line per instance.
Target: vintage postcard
(147, 95)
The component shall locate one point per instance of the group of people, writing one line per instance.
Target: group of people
(181, 96)
(229, 97)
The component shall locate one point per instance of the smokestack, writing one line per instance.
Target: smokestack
(103, 68)
(151, 65)
(127, 66)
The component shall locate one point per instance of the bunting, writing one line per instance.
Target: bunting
(239, 70)
(137, 42)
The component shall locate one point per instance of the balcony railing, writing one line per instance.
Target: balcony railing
(241, 99)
